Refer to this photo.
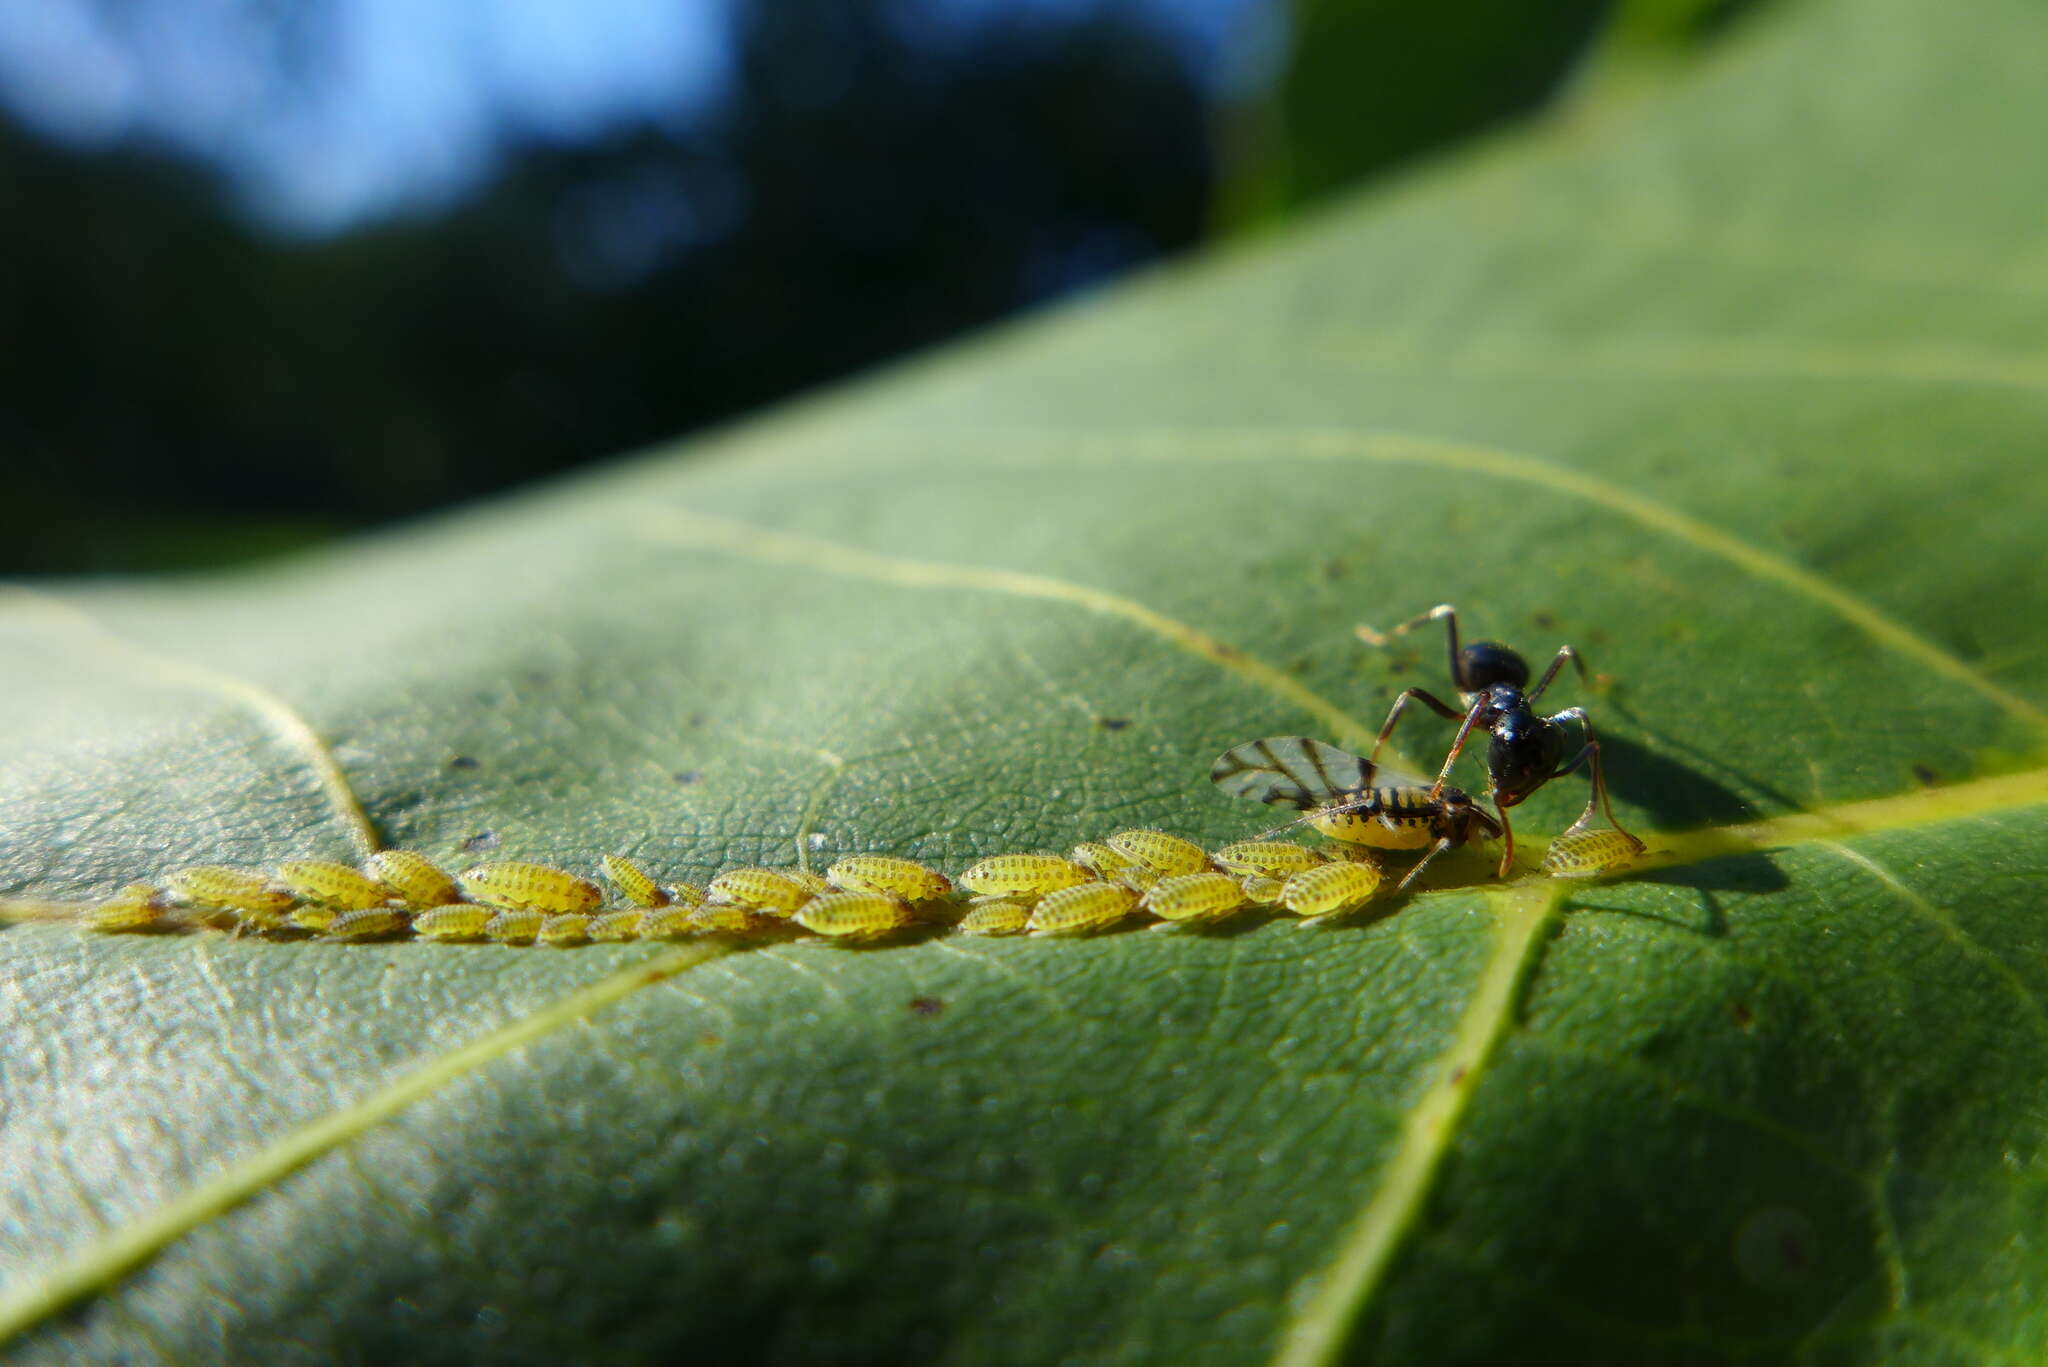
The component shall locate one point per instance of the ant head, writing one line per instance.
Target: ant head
(1523, 755)
(1482, 664)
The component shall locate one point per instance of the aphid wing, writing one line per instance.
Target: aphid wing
(1290, 771)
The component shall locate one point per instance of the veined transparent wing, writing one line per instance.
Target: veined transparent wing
(1291, 771)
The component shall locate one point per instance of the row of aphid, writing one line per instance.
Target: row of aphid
(399, 893)
(1138, 873)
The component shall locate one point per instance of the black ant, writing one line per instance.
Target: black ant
(1338, 792)
(1526, 749)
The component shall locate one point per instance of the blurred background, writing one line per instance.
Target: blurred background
(276, 271)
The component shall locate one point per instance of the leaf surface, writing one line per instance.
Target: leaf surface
(1739, 388)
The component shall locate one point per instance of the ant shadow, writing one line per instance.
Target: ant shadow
(1679, 795)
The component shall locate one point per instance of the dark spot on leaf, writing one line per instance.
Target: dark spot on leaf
(1224, 652)
(1544, 620)
(926, 1006)
(710, 1041)
(1398, 667)
(481, 841)
(696, 719)
(1112, 723)
(1926, 775)
(1334, 569)
(1744, 1017)
(1457, 1075)
(534, 678)
(1776, 1247)
(687, 776)
(1301, 666)
(464, 762)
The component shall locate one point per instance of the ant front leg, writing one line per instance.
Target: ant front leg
(1434, 704)
(1507, 837)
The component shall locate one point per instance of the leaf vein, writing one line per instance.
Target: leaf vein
(284, 720)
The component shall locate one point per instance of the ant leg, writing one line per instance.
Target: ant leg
(1507, 836)
(1590, 757)
(1471, 716)
(1427, 699)
(1445, 612)
(1557, 662)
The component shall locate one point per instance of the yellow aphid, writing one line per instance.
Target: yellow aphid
(1268, 858)
(1082, 909)
(1102, 860)
(685, 895)
(570, 928)
(330, 884)
(512, 886)
(1262, 891)
(1027, 875)
(632, 882)
(889, 876)
(814, 885)
(1195, 897)
(996, 916)
(717, 918)
(1584, 854)
(757, 890)
(668, 923)
(515, 927)
(854, 915)
(366, 923)
(1138, 879)
(615, 925)
(453, 922)
(1162, 853)
(413, 879)
(139, 906)
(214, 885)
(1331, 889)
(312, 916)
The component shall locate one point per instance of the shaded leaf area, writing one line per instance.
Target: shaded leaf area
(1771, 458)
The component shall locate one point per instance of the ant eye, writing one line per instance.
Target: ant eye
(1489, 662)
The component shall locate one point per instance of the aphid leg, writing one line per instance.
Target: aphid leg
(1423, 863)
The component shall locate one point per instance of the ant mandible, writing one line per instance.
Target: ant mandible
(1526, 749)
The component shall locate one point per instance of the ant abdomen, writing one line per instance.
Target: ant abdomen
(1486, 663)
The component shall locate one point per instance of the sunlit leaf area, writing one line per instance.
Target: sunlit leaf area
(1705, 340)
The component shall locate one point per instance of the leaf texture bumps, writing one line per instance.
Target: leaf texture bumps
(1737, 388)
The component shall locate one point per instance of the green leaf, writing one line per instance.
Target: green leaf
(1739, 388)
